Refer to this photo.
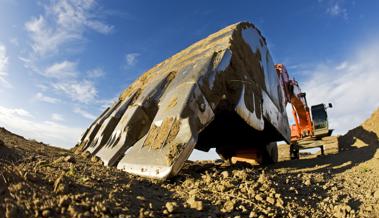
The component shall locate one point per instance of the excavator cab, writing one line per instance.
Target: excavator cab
(320, 120)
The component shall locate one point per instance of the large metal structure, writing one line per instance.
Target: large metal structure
(222, 92)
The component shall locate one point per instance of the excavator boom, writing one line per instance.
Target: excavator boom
(303, 122)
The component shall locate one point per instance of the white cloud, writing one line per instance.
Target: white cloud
(81, 91)
(131, 59)
(335, 8)
(41, 97)
(15, 112)
(42, 87)
(342, 66)
(65, 69)
(95, 73)
(64, 21)
(3, 68)
(351, 86)
(99, 26)
(57, 117)
(84, 113)
(14, 41)
(19, 121)
(105, 103)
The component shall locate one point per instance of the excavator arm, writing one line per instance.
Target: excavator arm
(303, 126)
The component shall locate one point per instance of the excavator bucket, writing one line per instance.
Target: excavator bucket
(222, 92)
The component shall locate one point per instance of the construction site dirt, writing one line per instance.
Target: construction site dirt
(39, 180)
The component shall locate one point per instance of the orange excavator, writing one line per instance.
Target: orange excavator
(311, 126)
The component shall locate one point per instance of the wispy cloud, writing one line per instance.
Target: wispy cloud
(335, 8)
(57, 117)
(20, 121)
(84, 113)
(3, 67)
(41, 97)
(14, 41)
(61, 27)
(80, 91)
(131, 59)
(350, 85)
(95, 73)
(64, 21)
(61, 70)
(15, 112)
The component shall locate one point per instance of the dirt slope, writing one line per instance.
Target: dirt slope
(43, 181)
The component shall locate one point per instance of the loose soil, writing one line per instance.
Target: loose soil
(39, 180)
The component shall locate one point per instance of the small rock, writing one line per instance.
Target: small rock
(69, 159)
(253, 214)
(171, 206)
(16, 187)
(376, 194)
(194, 204)
(60, 185)
(64, 201)
(225, 174)
(369, 208)
(341, 210)
(270, 200)
(207, 178)
(279, 203)
(95, 159)
(46, 213)
(258, 197)
(262, 178)
(59, 160)
(242, 208)
(307, 182)
(240, 174)
(220, 187)
(74, 210)
(102, 207)
(228, 207)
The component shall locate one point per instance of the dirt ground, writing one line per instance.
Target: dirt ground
(38, 180)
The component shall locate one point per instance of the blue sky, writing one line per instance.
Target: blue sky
(62, 62)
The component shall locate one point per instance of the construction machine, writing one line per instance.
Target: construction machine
(222, 92)
(311, 127)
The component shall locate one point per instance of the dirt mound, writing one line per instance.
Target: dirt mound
(43, 181)
(372, 123)
(365, 134)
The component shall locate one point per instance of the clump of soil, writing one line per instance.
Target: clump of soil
(38, 180)
(159, 136)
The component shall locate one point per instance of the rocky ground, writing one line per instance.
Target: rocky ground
(38, 180)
